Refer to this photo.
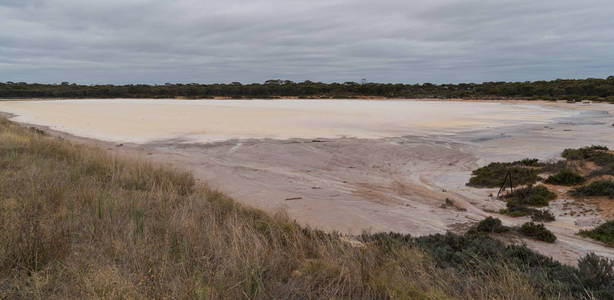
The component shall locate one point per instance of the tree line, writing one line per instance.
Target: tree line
(564, 89)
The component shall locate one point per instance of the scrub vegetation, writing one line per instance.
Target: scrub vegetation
(542, 216)
(530, 195)
(596, 188)
(597, 154)
(537, 231)
(573, 90)
(76, 222)
(520, 201)
(565, 177)
(523, 172)
(603, 233)
(530, 229)
(491, 225)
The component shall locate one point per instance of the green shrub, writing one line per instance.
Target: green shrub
(523, 172)
(597, 274)
(596, 154)
(528, 162)
(554, 167)
(491, 225)
(537, 231)
(603, 233)
(530, 195)
(522, 211)
(596, 188)
(468, 253)
(517, 210)
(542, 216)
(565, 177)
(478, 253)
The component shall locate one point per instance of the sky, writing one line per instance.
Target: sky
(397, 41)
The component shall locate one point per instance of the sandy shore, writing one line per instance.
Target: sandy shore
(348, 165)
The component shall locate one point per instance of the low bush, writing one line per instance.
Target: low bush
(596, 154)
(565, 177)
(596, 188)
(597, 274)
(523, 172)
(603, 233)
(468, 253)
(554, 167)
(491, 225)
(542, 216)
(517, 210)
(522, 211)
(530, 195)
(537, 231)
(528, 162)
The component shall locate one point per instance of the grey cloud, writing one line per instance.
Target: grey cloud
(155, 41)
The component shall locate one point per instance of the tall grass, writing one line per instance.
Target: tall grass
(76, 222)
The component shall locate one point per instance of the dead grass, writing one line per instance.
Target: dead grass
(76, 222)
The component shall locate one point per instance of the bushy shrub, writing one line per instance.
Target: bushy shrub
(517, 210)
(523, 172)
(603, 232)
(605, 170)
(491, 225)
(469, 253)
(531, 196)
(596, 154)
(565, 177)
(542, 216)
(596, 188)
(597, 274)
(528, 162)
(537, 231)
(554, 167)
(479, 253)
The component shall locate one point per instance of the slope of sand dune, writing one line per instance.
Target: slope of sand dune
(349, 166)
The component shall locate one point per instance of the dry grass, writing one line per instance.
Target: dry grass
(76, 222)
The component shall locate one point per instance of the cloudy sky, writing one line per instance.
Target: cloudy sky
(410, 41)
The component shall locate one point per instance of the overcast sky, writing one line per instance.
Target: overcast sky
(409, 41)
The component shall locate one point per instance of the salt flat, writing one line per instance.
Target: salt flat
(147, 120)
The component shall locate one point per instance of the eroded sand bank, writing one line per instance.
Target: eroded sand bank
(397, 164)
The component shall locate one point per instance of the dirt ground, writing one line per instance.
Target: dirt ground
(400, 184)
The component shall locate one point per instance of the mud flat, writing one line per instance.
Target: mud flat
(346, 165)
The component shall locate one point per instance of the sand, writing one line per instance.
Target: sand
(352, 165)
